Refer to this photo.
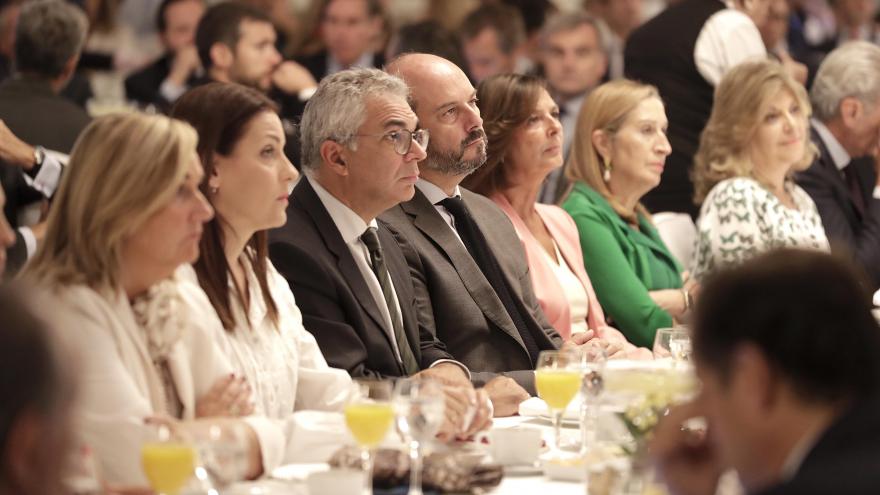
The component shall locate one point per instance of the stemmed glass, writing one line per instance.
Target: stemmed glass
(168, 462)
(420, 406)
(674, 343)
(558, 379)
(369, 415)
(590, 360)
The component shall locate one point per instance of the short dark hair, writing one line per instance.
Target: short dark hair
(808, 312)
(161, 23)
(220, 113)
(49, 34)
(374, 8)
(222, 24)
(30, 375)
(505, 20)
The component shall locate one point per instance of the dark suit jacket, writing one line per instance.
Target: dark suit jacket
(462, 300)
(845, 227)
(38, 116)
(845, 460)
(143, 86)
(334, 298)
(317, 63)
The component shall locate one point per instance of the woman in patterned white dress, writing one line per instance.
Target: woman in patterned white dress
(756, 138)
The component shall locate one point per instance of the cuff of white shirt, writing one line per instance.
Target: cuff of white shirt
(171, 91)
(47, 179)
(30, 241)
(876, 193)
(467, 372)
(306, 94)
(272, 441)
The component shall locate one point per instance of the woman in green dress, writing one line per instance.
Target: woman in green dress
(618, 155)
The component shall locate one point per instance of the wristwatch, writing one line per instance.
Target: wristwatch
(39, 158)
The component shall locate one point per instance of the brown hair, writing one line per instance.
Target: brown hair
(740, 102)
(607, 108)
(220, 113)
(505, 102)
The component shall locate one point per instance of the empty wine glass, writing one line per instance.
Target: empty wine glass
(420, 406)
(590, 360)
(369, 415)
(673, 343)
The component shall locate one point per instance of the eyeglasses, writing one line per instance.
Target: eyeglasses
(402, 139)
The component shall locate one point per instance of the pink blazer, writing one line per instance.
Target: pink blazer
(548, 290)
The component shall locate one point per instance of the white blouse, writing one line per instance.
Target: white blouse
(578, 301)
(119, 384)
(740, 218)
(283, 365)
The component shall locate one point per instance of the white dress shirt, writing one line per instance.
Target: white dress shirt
(46, 182)
(351, 226)
(435, 195)
(728, 38)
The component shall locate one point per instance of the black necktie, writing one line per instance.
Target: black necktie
(855, 192)
(476, 244)
(371, 240)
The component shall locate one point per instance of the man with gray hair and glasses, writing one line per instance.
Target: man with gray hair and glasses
(843, 180)
(361, 145)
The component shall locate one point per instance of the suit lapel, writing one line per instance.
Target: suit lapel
(429, 222)
(305, 197)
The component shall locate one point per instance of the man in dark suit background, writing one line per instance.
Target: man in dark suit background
(484, 306)
(161, 83)
(843, 180)
(48, 40)
(350, 279)
(348, 30)
(782, 409)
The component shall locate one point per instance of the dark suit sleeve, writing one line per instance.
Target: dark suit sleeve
(323, 312)
(864, 244)
(16, 256)
(430, 347)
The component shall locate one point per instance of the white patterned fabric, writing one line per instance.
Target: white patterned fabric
(740, 219)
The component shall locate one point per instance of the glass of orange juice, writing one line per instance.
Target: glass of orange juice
(168, 462)
(369, 415)
(558, 380)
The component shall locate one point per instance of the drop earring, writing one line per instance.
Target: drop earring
(606, 175)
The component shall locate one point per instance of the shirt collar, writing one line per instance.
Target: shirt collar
(350, 225)
(838, 154)
(434, 193)
(333, 65)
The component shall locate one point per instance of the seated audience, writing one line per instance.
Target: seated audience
(236, 43)
(491, 38)
(684, 51)
(162, 82)
(36, 427)
(618, 156)
(351, 282)
(573, 60)
(347, 28)
(755, 140)
(843, 179)
(127, 215)
(463, 252)
(779, 409)
(524, 144)
(427, 37)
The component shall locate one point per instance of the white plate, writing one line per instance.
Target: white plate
(522, 469)
(298, 472)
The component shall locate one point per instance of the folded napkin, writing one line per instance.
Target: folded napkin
(445, 472)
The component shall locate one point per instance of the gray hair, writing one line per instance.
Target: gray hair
(338, 108)
(569, 21)
(49, 34)
(851, 70)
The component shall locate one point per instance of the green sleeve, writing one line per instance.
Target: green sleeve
(621, 292)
